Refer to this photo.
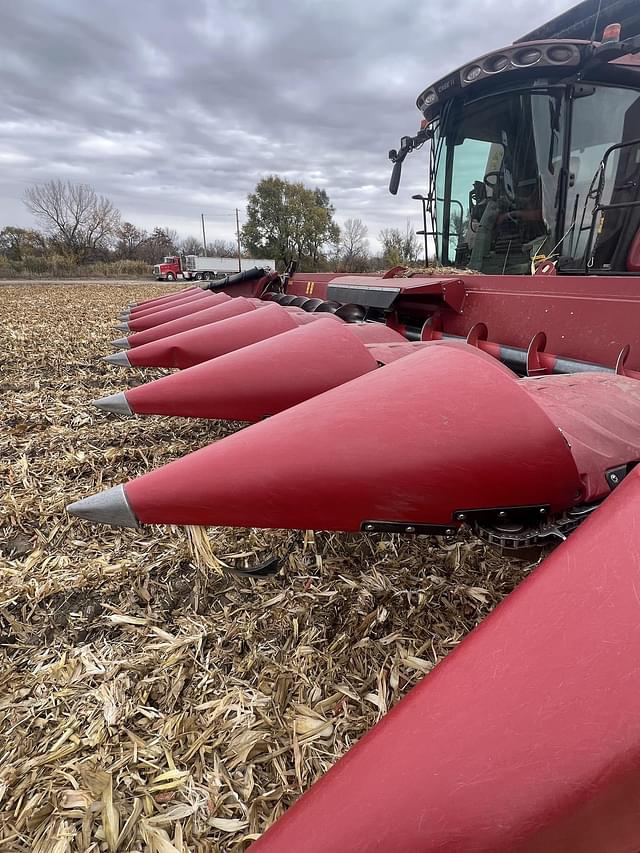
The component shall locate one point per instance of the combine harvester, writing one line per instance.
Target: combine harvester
(507, 401)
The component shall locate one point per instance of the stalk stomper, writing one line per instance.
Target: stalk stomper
(500, 393)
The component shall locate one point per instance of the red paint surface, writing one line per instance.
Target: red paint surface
(525, 738)
(213, 314)
(262, 379)
(215, 339)
(584, 317)
(375, 333)
(167, 296)
(152, 309)
(387, 352)
(174, 312)
(445, 429)
(599, 414)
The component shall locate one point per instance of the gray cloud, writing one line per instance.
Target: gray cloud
(175, 109)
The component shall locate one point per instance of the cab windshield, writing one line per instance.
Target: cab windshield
(498, 165)
(508, 187)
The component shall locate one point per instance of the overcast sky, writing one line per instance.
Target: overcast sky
(176, 108)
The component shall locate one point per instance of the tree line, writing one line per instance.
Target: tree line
(289, 221)
(284, 220)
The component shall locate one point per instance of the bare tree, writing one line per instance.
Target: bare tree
(354, 246)
(129, 239)
(160, 243)
(222, 249)
(410, 245)
(392, 246)
(191, 246)
(399, 248)
(77, 219)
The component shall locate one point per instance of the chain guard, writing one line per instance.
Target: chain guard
(515, 535)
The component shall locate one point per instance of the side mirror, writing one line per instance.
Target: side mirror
(394, 183)
(407, 144)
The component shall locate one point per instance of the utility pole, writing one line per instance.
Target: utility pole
(238, 237)
(204, 236)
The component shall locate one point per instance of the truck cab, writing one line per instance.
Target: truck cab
(169, 270)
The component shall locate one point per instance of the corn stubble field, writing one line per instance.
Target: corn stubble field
(150, 699)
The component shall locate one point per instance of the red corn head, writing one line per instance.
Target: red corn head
(415, 444)
(264, 378)
(212, 314)
(185, 300)
(215, 339)
(193, 306)
(167, 297)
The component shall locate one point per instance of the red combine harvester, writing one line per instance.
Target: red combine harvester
(506, 400)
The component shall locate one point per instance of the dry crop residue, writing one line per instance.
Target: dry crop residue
(148, 699)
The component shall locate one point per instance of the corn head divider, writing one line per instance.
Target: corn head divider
(500, 393)
(440, 398)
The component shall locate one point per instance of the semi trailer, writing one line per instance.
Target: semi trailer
(198, 268)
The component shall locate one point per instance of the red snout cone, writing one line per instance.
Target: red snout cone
(440, 432)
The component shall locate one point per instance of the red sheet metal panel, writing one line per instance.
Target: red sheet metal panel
(260, 380)
(525, 739)
(144, 311)
(174, 312)
(445, 429)
(584, 317)
(215, 339)
(376, 333)
(212, 314)
(599, 414)
(385, 353)
(168, 296)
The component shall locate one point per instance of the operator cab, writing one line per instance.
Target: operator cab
(497, 173)
(535, 156)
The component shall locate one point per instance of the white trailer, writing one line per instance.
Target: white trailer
(201, 267)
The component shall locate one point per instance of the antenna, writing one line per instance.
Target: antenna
(595, 23)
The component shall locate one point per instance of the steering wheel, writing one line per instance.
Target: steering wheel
(500, 183)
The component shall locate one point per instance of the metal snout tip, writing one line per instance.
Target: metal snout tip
(121, 343)
(124, 317)
(116, 403)
(120, 358)
(123, 327)
(110, 507)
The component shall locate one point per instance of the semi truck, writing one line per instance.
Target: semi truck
(197, 268)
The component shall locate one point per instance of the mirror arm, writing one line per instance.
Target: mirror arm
(407, 144)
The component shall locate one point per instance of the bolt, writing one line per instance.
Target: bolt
(448, 532)
(369, 527)
(460, 516)
(614, 478)
(502, 514)
(409, 529)
(543, 511)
